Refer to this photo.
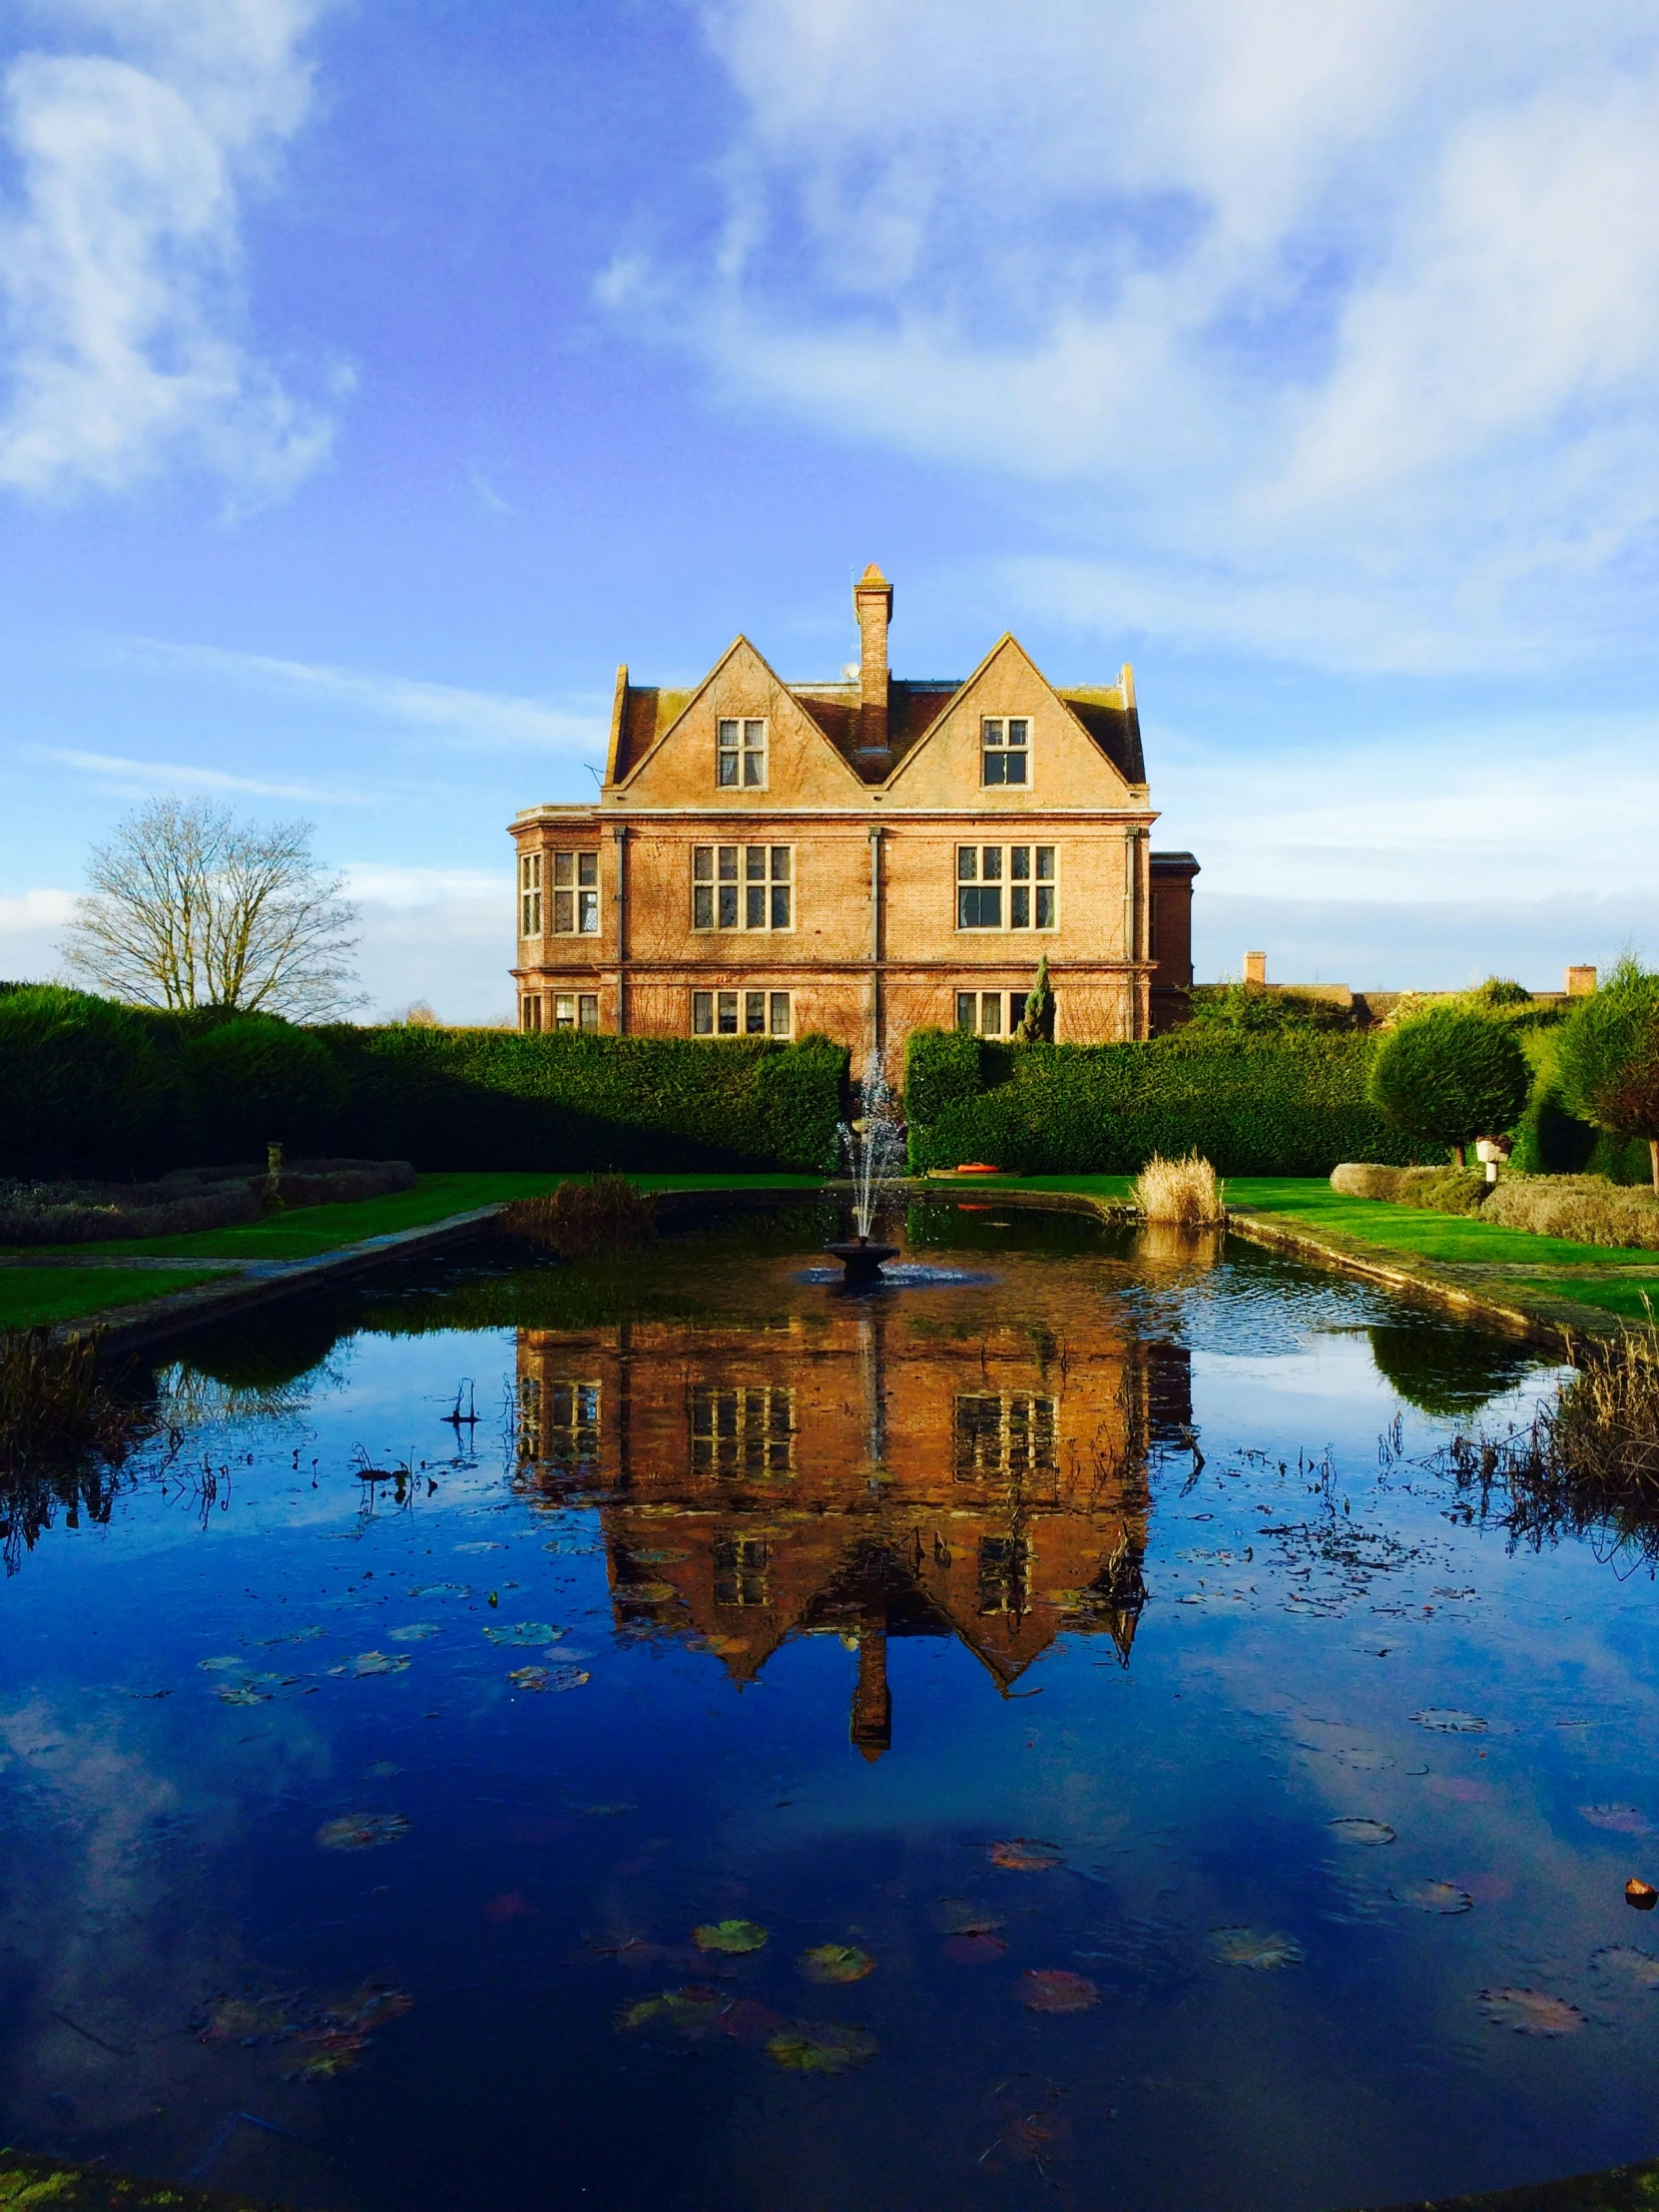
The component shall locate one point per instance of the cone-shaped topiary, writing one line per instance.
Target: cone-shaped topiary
(1607, 1058)
(1038, 1023)
(1452, 1076)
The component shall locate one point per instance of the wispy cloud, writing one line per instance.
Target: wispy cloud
(384, 885)
(486, 494)
(42, 909)
(1335, 330)
(133, 133)
(464, 717)
(126, 776)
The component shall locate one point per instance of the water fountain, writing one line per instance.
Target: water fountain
(874, 1149)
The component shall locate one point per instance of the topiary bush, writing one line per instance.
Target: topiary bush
(1450, 1076)
(1607, 1060)
(255, 1080)
(82, 1089)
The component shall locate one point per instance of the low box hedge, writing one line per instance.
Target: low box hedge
(1285, 1103)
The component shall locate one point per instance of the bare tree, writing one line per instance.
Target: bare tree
(187, 906)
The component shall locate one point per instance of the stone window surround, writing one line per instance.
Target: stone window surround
(742, 744)
(756, 896)
(750, 1013)
(1026, 877)
(1001, 750)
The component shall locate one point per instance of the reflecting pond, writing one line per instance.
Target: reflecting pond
(665, 1730)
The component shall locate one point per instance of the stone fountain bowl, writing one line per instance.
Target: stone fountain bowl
(861, 1257)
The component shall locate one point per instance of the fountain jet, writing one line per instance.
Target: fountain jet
(874, 1149)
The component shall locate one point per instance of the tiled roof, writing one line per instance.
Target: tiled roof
(646, 713)
(1113, 726)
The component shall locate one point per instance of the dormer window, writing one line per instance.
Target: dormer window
(743, 755)
(1005, 750)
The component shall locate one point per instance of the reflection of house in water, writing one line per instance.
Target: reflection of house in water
(850, 1472)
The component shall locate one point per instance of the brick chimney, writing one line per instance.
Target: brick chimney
(873, 600)
(1256, 967)
(1582, 981)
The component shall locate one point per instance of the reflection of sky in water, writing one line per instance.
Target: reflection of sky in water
(562, 1845)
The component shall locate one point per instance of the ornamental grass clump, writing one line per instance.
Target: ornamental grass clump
(1185, 1192)
(576, 1219)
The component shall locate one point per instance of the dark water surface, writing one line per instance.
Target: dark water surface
(1078, 1631)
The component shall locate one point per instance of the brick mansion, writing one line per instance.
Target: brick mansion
(861, 857)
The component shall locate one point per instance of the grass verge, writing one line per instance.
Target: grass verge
(31, 1296)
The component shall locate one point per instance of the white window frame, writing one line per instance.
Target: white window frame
(1041, 891)
(997, 742)
(763, 894)
(529, 894)
(983, 1002)
(750, 1013)
(578, 1010)
(576, 910)
(743, 748)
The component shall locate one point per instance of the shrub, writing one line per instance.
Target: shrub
(604, 1214)
(1185, 1192)
(1583, 1208)
(81, 1086)
(1259, 1010)
(1452, 1076)
(1607, 1058)
(1291, 1103)
(1431, 1190)
(256, 1080)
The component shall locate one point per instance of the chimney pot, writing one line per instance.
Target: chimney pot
(872, 603)
(1582, 981)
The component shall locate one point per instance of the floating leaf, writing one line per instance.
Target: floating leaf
(962, 1916)
(648, 1593)
(692, 2012)
(1626, 1963)
(1054, 1989)
(976, 1946)
(1618, 1820)
(548, 1678)
(362, 1831)
(821, 2047)
(524, 1633)
(372, 1662)
(1026, 1854)
(330, 2052)
(734, 1936)
(228, 1662)
(246, 2020)
(1531, 2011)
(242, 1693)
(1255, 1948)
(836, 1963)
(1449, 1722)
(1435, 1897)
(477, 1547)
(656, 1558)
(1362, 1831)
(416, 1632)
(1363, 1760)
(443, 1589)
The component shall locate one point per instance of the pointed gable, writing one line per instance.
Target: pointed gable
(1083, 750)
(665, 749)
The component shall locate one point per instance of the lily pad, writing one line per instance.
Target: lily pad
(1435, 1897)
(477, 1547)
(962, 1916)
(1262, 1950)
(1629, 1963)
(443, 1589)
(821, 2047)
(691, 2012)
(548, 1678)
(1448, 1721)
(976, 1946)
(414, 1632)
(1531, 2011)
(524, 1633)
(658, 1558)
(733, 1937)
(648, 1593)
(1618, 1820)
(836, 1963)
(1026, 1854)
(228, 1662)
(362, 1831)
(242, 1693)
(1362, 1831)
(372, 1662)
(1055, 1989)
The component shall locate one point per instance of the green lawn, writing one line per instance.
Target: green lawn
(29, 1295)
(1312, 1202)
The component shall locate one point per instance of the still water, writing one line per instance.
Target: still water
(1045, 1730)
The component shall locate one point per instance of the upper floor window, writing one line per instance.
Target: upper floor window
(1005, 750)
(742, 887)
(576, 893)
(529, 895)
(1006, 886)
(743, 755)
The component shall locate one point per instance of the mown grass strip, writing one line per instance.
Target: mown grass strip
(30, 1296)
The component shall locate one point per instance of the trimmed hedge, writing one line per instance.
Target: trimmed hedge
(1288, 1103)
(90, 1089)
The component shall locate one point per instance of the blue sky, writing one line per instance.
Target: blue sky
(375, 375)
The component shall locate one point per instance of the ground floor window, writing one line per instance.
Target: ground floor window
(529, 1012)
(991, 1013)
(575, 1010)
(748, 1429)
(742, 1013)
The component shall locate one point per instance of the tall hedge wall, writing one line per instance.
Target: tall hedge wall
(215, 1089)
(1291, 1103)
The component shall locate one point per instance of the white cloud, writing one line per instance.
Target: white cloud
(404, 887)
(466, 717)
(1333, 328)
(42, 909)
(128, 776)
(123, 349)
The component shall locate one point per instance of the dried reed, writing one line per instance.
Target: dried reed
(604, 1213)
(63, 1434)
(1185, 1192)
